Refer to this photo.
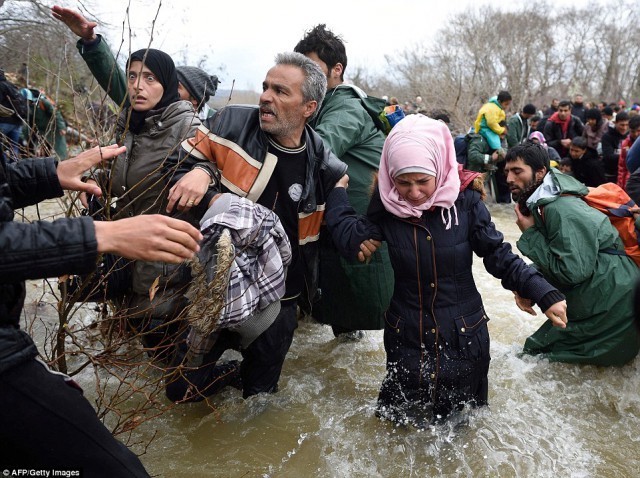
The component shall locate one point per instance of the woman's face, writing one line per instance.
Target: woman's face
(145, 91)
(592, 122)
(415, 188)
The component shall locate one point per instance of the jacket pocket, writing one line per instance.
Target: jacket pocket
(469, 325)
(473, 336)
(394, 341)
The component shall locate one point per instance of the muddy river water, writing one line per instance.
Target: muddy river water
(544, 419)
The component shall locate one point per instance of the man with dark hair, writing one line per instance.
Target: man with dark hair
(578, 250)
(518, 126)
(348, 123)
(612, 145)
(269, 155)
(534, 123)
(578, 109)
(561, 128)
(553, 107)
(585, 165)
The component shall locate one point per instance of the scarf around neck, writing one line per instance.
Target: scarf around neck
(162, 66)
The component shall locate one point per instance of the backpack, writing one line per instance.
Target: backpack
(611, 200)
(12, 99)
(460, 144)
(390, 116)
(615, 203)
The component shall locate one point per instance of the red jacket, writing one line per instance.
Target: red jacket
(623, 172)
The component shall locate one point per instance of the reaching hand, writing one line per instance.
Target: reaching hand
(70, 171)
(557, 313)
(151, 237)
(343, 182)
(525, 305)
(76, 22)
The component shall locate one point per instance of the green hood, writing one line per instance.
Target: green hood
(374, 106)
(495, 101)
(554, 185)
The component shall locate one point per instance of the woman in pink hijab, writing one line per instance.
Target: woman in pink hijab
(432, 216)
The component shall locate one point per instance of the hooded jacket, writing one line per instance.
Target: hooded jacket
(571, 243)
(491, 115)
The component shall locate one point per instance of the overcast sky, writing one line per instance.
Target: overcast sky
(244, 36)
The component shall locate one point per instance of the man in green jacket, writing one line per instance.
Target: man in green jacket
(578, 251)
(354, 296)
(518, 125)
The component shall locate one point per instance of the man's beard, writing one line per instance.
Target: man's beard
(525, 195)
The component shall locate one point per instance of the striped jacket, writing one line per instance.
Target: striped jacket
(234, 142)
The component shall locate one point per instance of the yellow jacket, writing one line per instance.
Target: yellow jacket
(491, 115)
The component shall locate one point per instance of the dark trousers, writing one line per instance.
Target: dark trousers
(46, 422)
(260, 368)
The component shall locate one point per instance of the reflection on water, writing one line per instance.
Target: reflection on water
(544, 420)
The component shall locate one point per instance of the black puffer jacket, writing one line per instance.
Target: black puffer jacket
(434, 284)
(34, 251)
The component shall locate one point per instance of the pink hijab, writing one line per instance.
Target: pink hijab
(419, 142)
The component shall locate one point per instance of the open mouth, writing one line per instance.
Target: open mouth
(266, 114)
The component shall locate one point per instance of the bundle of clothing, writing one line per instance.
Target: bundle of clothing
(239, 275)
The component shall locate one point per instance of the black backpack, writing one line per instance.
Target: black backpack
(11, 98)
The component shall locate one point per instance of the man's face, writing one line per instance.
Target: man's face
(575, 152)
(505, 104)
(534, 125)
(563, 113)
(555, 103)
(520, 177)
(283, 112)
(578, 100)
(634, 133)
(333, 74)
(622, 126)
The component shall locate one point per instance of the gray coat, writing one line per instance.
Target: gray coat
(139, 177)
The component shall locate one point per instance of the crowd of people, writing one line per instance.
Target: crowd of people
(308, 204)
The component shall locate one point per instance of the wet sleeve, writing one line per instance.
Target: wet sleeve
(499, 259)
